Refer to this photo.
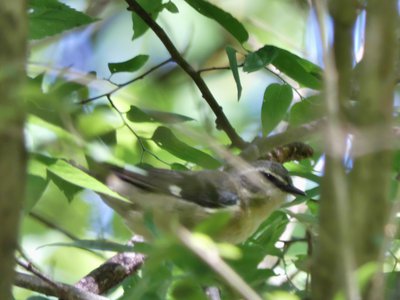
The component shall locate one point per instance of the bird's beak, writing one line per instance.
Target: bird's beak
(291, 189)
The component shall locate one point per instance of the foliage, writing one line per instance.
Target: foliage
(135, 107)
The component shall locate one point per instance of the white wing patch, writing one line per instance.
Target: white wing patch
(175, 190)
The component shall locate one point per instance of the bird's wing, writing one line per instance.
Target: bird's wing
(211, 189)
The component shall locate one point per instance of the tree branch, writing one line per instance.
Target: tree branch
(111, 273)
(222, 121)
(13, 36)
(261, 146)
(61, 290)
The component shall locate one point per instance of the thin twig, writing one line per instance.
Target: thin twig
(142, 146)
(284, 81)
(221, 119)
(223, 68)
(276, 74)
(52, 225)
(29, 266)
(120, 86)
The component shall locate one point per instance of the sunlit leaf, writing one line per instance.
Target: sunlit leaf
(234, 68)
(60, 132)
(277, 99)
(304, 218)
(50, 17)
(281, 295)
(130, 65)
(69, 189)
(165, 139)
(98, 122)
(137, 115)
(226, 20)
(77, 177)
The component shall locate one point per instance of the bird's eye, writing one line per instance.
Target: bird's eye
(276, 180)
(268, 176)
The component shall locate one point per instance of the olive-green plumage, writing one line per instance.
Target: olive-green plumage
(249, 195)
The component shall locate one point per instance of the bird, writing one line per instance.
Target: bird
(248, 194)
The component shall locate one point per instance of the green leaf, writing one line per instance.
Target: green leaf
(68, 189)
(178, 167)
(166, 140)
(100, 121)
(270, 230)
(38, 298)
(103, 245)
(257, 60)
(277, 99)
(226, 20)
(234, 67)
(77, 177)
(304, 218)
(38, 163)
(60, 132)
(186, 288)
(153, 8)
(50, 17)
(306, 110)
(171, 7)
(137, 115)
(36, 185)
(281, 295)
(130, 65)
(303, 71)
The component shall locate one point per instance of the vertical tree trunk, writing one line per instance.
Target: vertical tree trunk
(12, 153)
(354, 207)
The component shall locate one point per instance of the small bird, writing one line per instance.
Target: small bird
(249, 195)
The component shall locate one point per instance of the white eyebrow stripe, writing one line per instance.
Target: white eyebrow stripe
(280, 178)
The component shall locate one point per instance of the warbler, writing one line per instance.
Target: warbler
(249, 194)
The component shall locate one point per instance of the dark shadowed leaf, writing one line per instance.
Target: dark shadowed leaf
(165, 139)
(153, 8)
(137, 115)
(303, 71)
(226, 20)
(171, 7)
(36, 185)
(187, 289)
(69, 190)
(259, 59)
(178, 167)
(234, 68)
(50, 17)
(130, 65)
(277, 99)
